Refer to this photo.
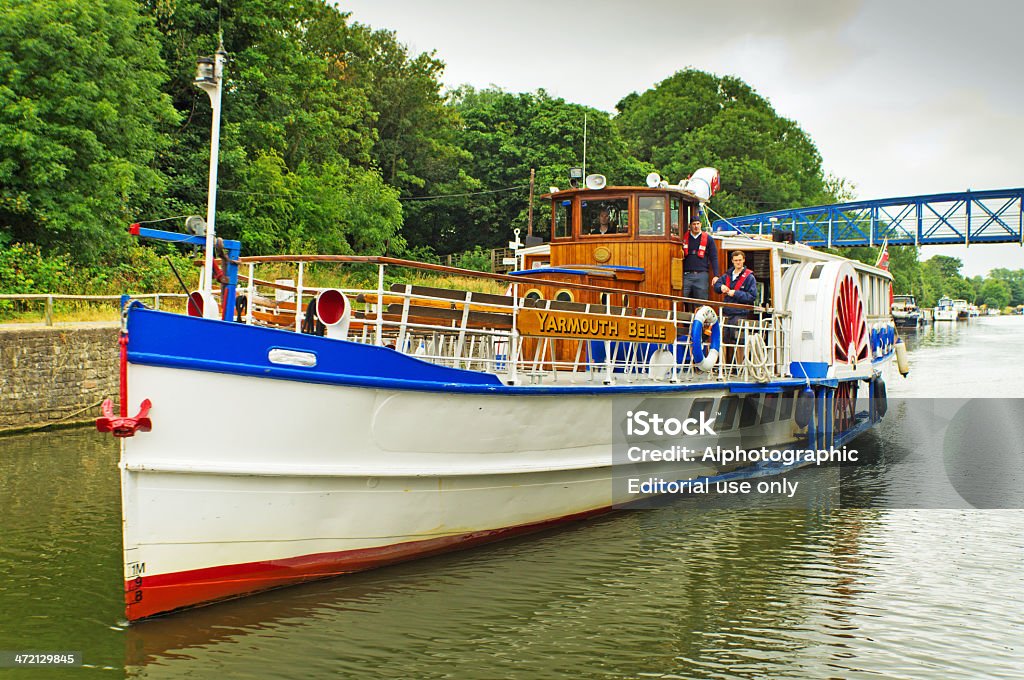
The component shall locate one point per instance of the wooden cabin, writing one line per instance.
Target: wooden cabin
(629, 238)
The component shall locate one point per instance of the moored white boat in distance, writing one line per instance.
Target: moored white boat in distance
(945, 311)
(960, 307)
(905, 311)
(316, 432)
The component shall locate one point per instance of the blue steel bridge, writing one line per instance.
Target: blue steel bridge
(937, 219)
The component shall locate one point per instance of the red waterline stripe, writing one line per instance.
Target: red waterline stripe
(147, 596)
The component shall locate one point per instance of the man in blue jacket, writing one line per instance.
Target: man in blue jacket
(737, 285)
(699, 256)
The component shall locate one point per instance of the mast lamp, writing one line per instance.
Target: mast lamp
(575, 177)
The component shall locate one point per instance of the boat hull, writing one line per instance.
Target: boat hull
(256, 476)
(339, 479)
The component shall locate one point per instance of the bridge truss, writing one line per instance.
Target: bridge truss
(965, 218)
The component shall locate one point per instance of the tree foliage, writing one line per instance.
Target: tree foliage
(337, 138)
(416, 147)
(941, 276)
(290, 102)
(1014, 281)
(83, 121)
(695, 119)
(995, 293)
(334, 208)
(506, 134)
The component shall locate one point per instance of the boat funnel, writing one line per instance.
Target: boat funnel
(333, 309)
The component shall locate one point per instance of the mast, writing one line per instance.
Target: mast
(210, 78)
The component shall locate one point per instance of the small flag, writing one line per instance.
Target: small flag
(883, 256)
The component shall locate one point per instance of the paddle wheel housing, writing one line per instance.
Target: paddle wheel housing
(829, 317)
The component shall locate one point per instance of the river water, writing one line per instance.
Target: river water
(682, 591)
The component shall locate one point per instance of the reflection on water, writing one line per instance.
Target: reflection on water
(60, 546)
(681, 591)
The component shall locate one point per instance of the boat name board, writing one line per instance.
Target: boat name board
(550, 324)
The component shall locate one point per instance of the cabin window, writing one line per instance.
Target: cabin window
(676, 216)
(533, 294)
(786, 408)
(701, 406)
(651, 215)
(726, 413)
(771, 404)
(564, 295)
(748, 413)
(563, 219)
(605, 216)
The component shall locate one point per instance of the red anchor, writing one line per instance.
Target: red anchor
(123, 426)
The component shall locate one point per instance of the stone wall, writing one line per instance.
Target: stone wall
(56, 375)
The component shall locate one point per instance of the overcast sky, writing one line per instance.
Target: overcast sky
(901, 98)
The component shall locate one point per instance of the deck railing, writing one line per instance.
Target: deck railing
(481, 331)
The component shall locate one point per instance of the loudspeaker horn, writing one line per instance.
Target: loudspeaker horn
(596, 181)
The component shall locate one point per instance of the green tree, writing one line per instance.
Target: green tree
(414, 128)
(941, 276)
(976, 283)
(506, 135)
(415, 144)
(1014, 280)
(82, 122)
(289, 94)
(694, 119)
(944, 266)
(959, 288)
(995, 293)
(331, 209)
(906, 271)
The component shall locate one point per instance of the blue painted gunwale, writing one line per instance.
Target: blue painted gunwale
(548, 270)
(170, 340)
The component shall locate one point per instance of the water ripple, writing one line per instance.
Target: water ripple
(682, 591)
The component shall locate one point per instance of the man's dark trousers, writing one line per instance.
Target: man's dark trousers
(695, 285)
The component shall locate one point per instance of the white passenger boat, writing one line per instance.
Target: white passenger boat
(945, 311)
(306, 432)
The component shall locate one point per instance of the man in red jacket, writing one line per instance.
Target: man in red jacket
(699, 256)
(737, 285)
